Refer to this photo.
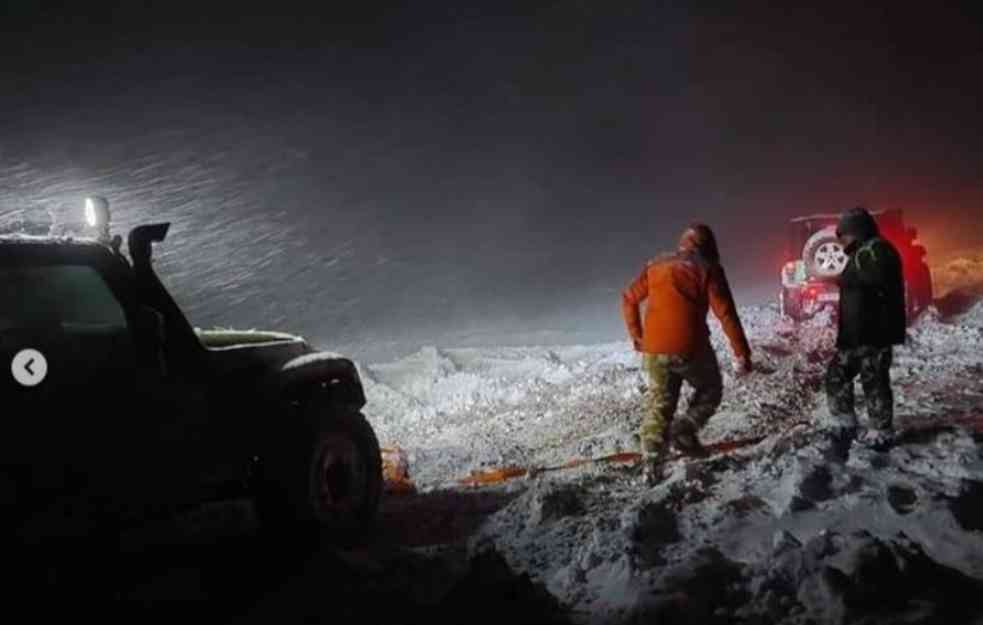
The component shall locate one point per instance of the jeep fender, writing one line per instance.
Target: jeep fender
(327, 376)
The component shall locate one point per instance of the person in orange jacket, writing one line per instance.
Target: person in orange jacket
(679, 289)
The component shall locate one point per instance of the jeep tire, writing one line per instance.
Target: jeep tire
(823, 255)
(332, 481)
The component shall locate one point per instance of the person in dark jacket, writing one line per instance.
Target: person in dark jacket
(871, 323)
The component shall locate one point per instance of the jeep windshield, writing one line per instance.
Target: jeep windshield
(68, 312)
(68, 297)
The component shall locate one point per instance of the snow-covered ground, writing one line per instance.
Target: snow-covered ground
(795, 529)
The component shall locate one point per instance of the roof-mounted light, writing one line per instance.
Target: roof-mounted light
(97, 215)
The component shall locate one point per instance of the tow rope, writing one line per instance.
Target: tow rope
(496, 476)
(395, 464)
(396, 472)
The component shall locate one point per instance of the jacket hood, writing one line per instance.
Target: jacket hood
(699, 239)
(859, 223)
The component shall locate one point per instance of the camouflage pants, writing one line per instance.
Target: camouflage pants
(666, 373)
(873, 365)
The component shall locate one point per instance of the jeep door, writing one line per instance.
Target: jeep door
(94, 441)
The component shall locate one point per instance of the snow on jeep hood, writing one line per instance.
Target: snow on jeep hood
(220, 338)
(232, 351)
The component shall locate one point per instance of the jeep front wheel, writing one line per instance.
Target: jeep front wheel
(328, 474)
(345, 474)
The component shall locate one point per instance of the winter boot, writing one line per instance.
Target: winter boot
(683, 434)
(840, 438)
(652, 469)
(876, 439)
(653, 458)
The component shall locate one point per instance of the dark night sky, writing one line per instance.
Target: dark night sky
(445, 167)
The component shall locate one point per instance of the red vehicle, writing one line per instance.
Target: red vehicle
(816, 259)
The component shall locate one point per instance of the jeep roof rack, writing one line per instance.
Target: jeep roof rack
(838, 215)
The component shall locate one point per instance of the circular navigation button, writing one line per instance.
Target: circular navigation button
(29, 367)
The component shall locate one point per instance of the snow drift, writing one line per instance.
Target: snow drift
(801, 527)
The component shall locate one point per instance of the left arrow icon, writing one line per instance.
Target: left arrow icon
(29, 367)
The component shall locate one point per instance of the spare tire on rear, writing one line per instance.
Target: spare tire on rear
(823, 254)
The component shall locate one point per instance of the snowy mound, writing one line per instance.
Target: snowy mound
(795, 525)
(961, 271)
(758, 536)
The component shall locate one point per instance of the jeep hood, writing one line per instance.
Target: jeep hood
(236, 352)
(272, 362)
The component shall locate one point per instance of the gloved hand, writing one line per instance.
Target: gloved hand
(744, 366)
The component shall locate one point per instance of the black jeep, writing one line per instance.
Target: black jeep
(118, 413)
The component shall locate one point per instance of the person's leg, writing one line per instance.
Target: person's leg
(702, 372)
(839, 389)
(875, 377)
(662, 397)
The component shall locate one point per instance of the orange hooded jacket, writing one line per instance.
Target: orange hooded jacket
(681, 288)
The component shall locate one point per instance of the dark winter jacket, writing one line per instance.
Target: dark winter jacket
(872, 301)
